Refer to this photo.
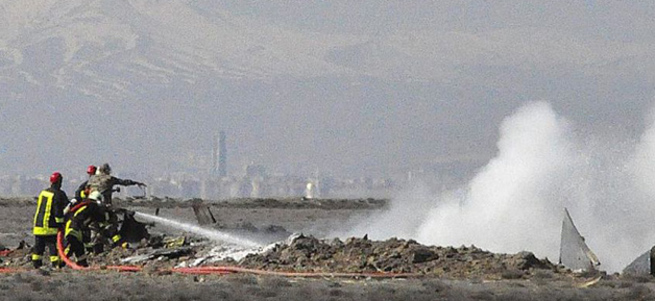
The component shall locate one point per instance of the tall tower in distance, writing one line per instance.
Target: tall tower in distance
(213, 169)
(219, 155)
(222, 155)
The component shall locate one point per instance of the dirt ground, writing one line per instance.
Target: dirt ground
(539, 280)
(68, 285)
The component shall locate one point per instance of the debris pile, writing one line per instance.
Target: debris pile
(354, 255)
(309, 254)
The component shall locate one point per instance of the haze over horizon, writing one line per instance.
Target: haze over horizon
(349, 88)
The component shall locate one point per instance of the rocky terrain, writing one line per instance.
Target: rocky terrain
(395, 256)
(315, 268)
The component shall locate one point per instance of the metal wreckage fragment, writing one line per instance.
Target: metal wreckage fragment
(574, 252)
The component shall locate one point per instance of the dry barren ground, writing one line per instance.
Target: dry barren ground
(538, 280)
(70, 285)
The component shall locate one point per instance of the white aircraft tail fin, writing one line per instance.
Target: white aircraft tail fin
(574, 252)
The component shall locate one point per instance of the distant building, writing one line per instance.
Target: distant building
(219, 155)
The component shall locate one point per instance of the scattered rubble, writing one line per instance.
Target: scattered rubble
(159, 254)
(309, 254)
(306, 253)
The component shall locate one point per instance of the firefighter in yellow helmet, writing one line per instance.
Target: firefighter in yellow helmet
(48, 219)
(81, 217)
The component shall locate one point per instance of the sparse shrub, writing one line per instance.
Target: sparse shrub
(512, 274)
(27, 295)
(335, 292)
(517, 295)
(610, 284)
(242, 279)
(213, 293)
(639, 278)
(540, 281)
(36, 286)
(435, 286)
(638, 292)
(265, 293)
(516, 284)
(334, 284)
(484, 295)
(626, 284)
(543, 274)
(274, 281)
(19, 278)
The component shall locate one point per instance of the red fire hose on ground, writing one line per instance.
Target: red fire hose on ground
(222, 270)
(75, 266)
(212, 270)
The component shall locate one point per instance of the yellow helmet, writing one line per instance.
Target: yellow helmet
(96, 196)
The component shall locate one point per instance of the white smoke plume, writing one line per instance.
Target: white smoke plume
(516, 201)
(643, 162)
(513, 203)
(407, 212)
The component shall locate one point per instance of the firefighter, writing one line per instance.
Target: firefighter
(107, 229)
(81, 192)
(104, 182)
(48, 219)
(87, 214)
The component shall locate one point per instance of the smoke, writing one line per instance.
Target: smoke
(403, 218)
(643, 162)
(510, 204)
(516, 201)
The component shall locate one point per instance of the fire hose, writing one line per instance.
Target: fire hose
(75, 266)
(222, 270)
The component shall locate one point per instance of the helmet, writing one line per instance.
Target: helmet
(96, 196)
(55, 178)
(91, 170)
(105, 169)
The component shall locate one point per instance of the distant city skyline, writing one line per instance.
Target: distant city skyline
(363, 88)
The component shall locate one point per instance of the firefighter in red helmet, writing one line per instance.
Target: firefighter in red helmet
(81, 192)
(48, 219)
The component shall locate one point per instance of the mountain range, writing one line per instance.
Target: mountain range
(364, 88)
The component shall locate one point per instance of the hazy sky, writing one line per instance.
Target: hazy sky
(349, 88)
(541, 104)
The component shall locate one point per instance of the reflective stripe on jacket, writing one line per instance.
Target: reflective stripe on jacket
(49, 211)
(44, 220)
(81, 216)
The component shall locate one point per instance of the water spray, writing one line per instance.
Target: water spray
(208, 233)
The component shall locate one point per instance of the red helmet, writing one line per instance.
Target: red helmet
(55, 177)
(91, 170)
